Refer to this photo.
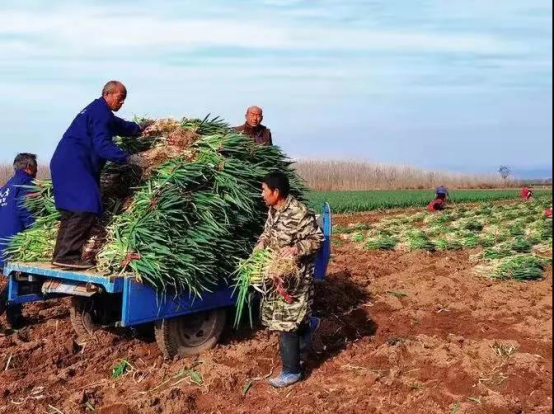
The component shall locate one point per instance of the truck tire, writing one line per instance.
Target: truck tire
(190, 334)
(14, 317)
(82, 317)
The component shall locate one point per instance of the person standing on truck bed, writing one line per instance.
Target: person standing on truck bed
(287, 308)
(76, 166)
(253, 127)
(14, 216)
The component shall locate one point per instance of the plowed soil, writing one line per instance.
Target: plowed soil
(401, 333)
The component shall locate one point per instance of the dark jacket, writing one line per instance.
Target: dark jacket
(260, 135)
(82, 153)
(14, 216)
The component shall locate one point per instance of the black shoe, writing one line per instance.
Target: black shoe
(73, 264)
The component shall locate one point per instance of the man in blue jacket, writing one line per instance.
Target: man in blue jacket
(14, 216)
(76, 166)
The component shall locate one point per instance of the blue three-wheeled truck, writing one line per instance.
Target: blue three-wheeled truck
(183, 325)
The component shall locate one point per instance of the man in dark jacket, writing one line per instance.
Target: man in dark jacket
(15, 217)
(76, 166)
(253, 127)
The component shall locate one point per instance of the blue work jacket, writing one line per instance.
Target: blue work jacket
(14, 216)
(82, 152)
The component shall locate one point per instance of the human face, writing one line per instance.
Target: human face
(271, 197)
(254, 117)
(116, 99)
(32, 171)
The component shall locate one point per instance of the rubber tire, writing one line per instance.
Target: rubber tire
(173, 340)
(81, 317)
(14, 317)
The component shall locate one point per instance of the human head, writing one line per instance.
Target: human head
(275, 188)
(26, 162)
(114, 93)
(254, 116)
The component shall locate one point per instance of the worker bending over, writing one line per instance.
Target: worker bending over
(14, 216)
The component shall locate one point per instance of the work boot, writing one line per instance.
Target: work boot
(285, 379)
(73, 264)
(306, 340)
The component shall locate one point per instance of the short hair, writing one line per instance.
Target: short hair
(277, 180)
(112, 86)
(24, 160)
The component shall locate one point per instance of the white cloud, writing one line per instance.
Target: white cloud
(95, 32)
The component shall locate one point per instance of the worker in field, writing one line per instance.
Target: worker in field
(14, 216)
(287, 307)
(442, 193)
(253, 127)
(441, 196)
(76, 166)
(526, 193)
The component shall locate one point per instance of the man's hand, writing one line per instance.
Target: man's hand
(289, 251)
(137, 160)
(146, 126)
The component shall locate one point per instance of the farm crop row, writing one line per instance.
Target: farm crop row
(516, 238)
(357, 201)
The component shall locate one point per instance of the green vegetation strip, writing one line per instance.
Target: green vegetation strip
(358, 201)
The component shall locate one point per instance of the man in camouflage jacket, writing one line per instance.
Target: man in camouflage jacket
(292, 228)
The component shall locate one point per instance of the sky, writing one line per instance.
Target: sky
(459, 85)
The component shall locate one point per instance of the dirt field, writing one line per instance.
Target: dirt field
(402, 333)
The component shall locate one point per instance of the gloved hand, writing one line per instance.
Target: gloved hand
(137, 160)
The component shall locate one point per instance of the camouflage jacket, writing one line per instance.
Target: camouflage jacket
(292, 226)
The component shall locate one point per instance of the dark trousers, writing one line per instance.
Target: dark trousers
(74, 232)
(289, 348)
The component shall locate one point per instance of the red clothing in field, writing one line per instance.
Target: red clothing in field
(436, 205)
(548, 212)
(526, 193)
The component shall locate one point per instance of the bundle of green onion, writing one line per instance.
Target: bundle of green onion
(260, 272)
(185, 224)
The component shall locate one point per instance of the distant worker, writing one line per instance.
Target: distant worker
(442, 193)
(441, 196)
(14, 216)
(287, 309)
(526, 193)
(437, 204)
(76, 166)
(253, 127)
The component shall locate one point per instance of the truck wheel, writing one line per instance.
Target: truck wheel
(190, 334)
(83, 317)
(14, 317)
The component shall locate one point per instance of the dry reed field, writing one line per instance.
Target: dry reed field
(6, 172)
(329, 175)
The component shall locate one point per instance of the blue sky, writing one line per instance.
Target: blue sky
(462, 85)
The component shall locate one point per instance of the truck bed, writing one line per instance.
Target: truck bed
(111, 283)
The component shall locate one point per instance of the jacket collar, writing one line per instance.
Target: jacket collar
(23, 174)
